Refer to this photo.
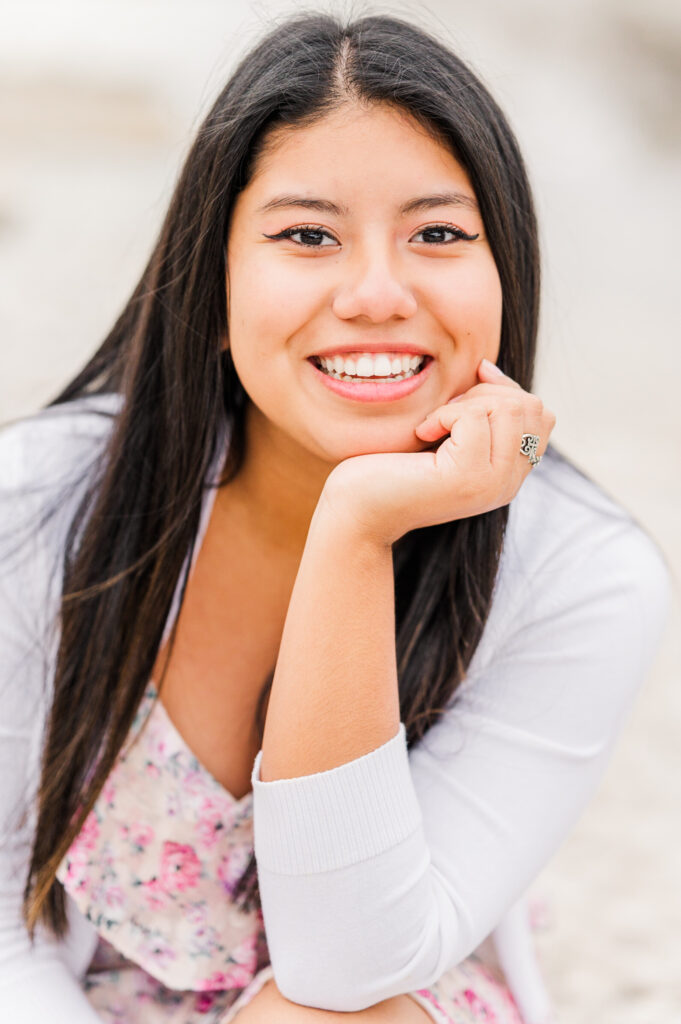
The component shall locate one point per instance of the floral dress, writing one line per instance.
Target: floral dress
(154, 869)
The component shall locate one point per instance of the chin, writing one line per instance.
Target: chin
(393, 441)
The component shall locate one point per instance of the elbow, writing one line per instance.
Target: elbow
(355, 957)
(351, 982)
(317, 991)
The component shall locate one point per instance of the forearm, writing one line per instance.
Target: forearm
(334, 694)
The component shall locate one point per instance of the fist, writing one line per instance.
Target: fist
(478, 466)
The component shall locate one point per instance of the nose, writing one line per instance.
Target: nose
(374, 290)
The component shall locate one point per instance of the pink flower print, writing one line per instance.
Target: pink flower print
(152, 770)
(235, 977)
(194, 783)
(205, 941)
(114, 896)
(77, 870)
(482, 1010)
(246, 956)
(427, 994)
(211, 823)
(180, 867)
(238, 974)
(109, 792)
(88, 835)
(159, 952)
(197, 912)
(204, 1002)
(140, 836)
(214, 983)
(172, 804)
(232, 867)
(154, 895)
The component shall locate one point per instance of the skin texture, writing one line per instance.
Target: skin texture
(270, 1006)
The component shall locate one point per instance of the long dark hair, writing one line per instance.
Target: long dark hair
(138, 519)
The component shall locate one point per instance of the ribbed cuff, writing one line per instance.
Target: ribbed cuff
(335, 818)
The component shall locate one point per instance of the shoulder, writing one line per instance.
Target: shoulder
(561, 518)
(46, 462)
(571, 548)
(47, 456)
(40, 448)
(580, 605)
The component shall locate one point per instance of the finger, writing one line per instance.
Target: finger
(468, 447)
(507, 426)
(540, 422)
(539, 425)
(488, 389)
(441, 420)
(491, 374)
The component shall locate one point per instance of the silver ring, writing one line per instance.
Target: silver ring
(528, 446)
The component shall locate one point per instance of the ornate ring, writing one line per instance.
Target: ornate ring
(528, 446)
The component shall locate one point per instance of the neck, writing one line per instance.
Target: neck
(275, 493)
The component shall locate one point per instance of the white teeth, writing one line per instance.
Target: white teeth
(368, 365)
(382, 367)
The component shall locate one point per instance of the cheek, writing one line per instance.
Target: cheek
(268, 303)
(471, 307)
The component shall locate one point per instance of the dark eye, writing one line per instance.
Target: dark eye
(439, 229)
(309, 231)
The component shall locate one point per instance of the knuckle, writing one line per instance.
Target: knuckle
(474, 407)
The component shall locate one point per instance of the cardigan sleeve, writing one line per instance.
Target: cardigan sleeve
(379, 875)
(38, 982)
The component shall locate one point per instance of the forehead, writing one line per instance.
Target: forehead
(372, 148)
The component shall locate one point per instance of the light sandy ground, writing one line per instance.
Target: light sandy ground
(98, 104)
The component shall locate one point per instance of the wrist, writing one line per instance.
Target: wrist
(345, 522)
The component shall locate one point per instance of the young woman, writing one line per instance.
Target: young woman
(312, 649)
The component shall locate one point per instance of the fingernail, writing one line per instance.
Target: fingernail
(493, 368)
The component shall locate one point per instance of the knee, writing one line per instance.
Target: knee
(270, 1005)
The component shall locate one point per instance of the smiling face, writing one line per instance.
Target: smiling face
(360, 282)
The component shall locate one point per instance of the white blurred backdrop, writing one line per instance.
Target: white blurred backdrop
(98, 104)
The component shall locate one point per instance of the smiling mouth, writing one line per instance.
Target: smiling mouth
(384, 367)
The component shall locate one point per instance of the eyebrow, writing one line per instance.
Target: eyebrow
(411, 206)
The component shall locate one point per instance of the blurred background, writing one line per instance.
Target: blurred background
(98, 104)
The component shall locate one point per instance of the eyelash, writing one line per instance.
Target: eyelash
(314, 229)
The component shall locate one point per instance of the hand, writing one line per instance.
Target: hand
(478, 467)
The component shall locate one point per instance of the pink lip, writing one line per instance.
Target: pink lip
(368, 346)
(374, 391)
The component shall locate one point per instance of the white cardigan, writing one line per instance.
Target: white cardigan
(379, 875)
